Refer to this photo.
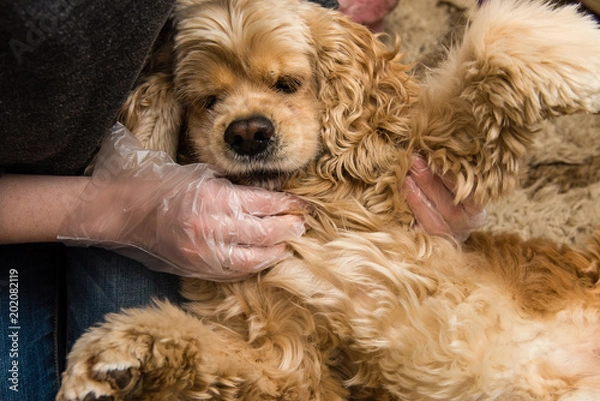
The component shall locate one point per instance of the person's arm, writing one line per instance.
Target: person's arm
(32, 207)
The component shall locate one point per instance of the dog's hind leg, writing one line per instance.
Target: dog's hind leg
(160, 353)
(163, 353)
(519, 62)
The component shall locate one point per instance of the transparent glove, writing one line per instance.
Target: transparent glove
(178, 219)
(431, 199)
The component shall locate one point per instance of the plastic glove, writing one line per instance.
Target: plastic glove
(432, 201)
(179, 219)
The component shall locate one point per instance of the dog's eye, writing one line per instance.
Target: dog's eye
(209, 102)
(287, 85)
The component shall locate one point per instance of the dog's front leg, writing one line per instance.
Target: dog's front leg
(519, 63)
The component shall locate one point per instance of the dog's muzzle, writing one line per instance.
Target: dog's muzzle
(250, 136)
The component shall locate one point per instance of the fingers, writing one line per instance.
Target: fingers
(253, 259)
(434, 189)
(228, 247)
(268, 231)
(220, 196)
(250, 230)
(221, 231)
(427, 215)
(470, 206)
(225, 213)
(432, 200)
(228, 262)
(260, 202)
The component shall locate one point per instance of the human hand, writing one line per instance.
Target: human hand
(370, 13)
(179, 219)
(432, 201)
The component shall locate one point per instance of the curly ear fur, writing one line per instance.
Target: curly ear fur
(477, 113)
(152, 111)
(365, 94)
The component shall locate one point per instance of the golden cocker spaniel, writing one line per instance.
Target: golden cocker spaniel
(290, 96)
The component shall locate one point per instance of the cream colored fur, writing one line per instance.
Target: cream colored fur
(366, 308)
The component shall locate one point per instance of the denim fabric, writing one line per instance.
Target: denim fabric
(61, 292)
(109, 282)
(29, 353)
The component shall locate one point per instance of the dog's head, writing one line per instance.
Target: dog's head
(245, 70)
(283, 94)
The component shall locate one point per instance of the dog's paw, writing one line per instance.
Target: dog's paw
(105, 370)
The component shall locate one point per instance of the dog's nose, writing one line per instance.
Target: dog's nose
(249, 136)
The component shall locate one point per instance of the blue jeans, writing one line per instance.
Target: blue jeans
(49, 294)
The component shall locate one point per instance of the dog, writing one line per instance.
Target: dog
(289, 96)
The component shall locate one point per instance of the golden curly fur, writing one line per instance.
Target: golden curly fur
(366, 308)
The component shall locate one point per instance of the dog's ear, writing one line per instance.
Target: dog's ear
(519, 63)
(152, 111)
(365, 92)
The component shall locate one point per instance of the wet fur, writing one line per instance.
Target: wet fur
(367, 308)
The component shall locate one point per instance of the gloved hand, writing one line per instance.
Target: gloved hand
(179, 219)
(431, 199)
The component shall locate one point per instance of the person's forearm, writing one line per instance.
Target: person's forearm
(32, 208)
